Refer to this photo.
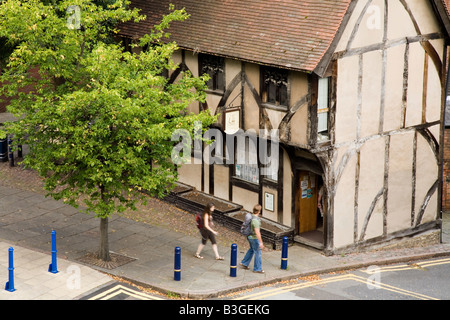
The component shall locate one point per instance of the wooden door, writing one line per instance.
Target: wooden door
(307, 201)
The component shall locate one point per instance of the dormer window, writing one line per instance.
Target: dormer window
(213, 66)
(274, 87)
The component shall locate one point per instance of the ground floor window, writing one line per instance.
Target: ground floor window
(246, 167)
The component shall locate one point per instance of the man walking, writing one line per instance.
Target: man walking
(256, 243)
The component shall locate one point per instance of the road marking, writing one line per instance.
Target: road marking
(273, 292)
(392, 288)
(118, 289)
(403, 267)
(434, 263)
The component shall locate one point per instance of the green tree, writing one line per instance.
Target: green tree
(98, 119)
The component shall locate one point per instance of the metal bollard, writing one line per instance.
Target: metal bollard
(177, 268)
(233, 263)
(10, 152)
(10, 284)
(4, 150)
(284, 253)
(53, 266)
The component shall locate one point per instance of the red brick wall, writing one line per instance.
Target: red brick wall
(34, 72)
(446, 173)
(3, 104)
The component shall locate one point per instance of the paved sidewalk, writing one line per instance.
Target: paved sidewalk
(27, 219)
(33, 281)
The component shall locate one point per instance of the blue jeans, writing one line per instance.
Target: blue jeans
(253, 250)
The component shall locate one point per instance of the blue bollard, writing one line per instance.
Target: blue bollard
(284, 253)
(233, 263)
(177, 268)
(53, 266)
(10, 284)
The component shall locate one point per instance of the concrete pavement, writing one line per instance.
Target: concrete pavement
(27, 219)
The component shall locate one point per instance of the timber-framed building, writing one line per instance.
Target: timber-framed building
(356, 90)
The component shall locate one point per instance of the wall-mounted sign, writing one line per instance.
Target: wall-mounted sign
(268, 201)
(232, 120)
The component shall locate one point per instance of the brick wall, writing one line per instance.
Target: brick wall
(34, 72)
(3, 104)
(446, 174)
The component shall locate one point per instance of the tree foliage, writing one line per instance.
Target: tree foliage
(98, 119)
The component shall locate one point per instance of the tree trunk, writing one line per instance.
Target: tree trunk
(104, 241)
(103, 254)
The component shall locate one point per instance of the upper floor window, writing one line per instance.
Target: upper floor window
(214, 67)
(274, 86)
(323, 108)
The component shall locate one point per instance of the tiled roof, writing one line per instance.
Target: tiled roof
(447, 5)
(292, 34)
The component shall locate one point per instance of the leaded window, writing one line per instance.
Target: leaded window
(213, 66)
(275, 86)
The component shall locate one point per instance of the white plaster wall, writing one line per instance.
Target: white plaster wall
(221, 181)
(399, 23)
(275, 118)
(366, 107)
(431, 212)
(191, 61)
(394, 92)
(299, 125)
(213, 101)
(206, 179)
(272, 215)
(344, 201)
(371, 182)
(347, 99)
(434, 94)
(436, 132)
(427, 174)
(371, 93)
(287, 190)
(232, 69)
(415, 85)
(424, 15)
(191, 174)
(244, 197)
(350, 26)
(299, 86)
(372, 25)
(400, 182)
(251, 113)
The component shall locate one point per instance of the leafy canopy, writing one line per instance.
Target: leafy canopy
(98, 119)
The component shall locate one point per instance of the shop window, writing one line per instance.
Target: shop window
(246, 167)
(214, 67)
(255, 158)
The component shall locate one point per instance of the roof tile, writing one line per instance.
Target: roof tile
(293, 34)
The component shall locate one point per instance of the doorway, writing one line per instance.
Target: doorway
(310, 217)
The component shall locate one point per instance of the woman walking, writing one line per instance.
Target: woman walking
(207, 232)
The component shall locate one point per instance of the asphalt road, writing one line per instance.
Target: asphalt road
(420, 280)
(120, 291)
